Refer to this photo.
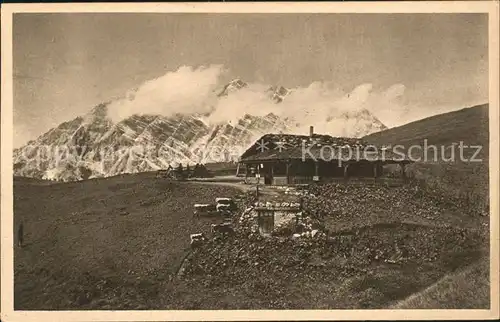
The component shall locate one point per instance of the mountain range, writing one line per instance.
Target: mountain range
(93, 145)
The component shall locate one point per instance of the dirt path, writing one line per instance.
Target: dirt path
(263, 190)
(240, 186)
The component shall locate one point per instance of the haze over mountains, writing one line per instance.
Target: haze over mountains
(148, 130)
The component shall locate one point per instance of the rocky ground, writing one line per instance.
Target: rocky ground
(345, 206)
(118, 243)
(379, 246)
(369, 268)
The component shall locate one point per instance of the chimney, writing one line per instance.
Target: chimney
(311, 131)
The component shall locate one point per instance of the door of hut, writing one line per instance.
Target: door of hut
(266, 222)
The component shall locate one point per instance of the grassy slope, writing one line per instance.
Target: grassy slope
(83, 252)
(469, 125)
(103, 242)
(462, 180)
(465, 289)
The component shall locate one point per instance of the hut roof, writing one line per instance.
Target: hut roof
(317, 147)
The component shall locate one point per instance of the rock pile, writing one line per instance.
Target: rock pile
(247, 223)
(357, 203)
(307, 223)
(309, 234)
(265, 267)
(296, 191)
(238, 260)
(245, 200)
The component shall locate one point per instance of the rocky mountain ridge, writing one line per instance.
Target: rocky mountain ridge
(93, 145)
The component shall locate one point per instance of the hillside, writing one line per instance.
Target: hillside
(117, 243)
(381, 246)
(451, 178)
(466, 289)
(457, 182)
(469, 125)
(106, 243)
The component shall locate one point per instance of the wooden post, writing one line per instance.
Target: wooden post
(258, 181)
(288, 172)
(346, 166)
(375, 168)
(403, 172)
(238, 169)
(316, 169)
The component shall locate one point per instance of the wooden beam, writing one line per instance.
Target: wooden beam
(288, 172)
(346, 166)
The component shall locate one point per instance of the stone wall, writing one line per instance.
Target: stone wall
(285, 221)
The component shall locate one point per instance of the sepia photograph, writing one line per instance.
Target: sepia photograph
(235, 158)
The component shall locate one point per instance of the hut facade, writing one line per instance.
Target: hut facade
(286, 159)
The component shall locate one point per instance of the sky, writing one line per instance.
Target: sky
(67, 63)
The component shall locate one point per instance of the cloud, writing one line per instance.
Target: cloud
(252, 99)
(190, 90)
(186, 90)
